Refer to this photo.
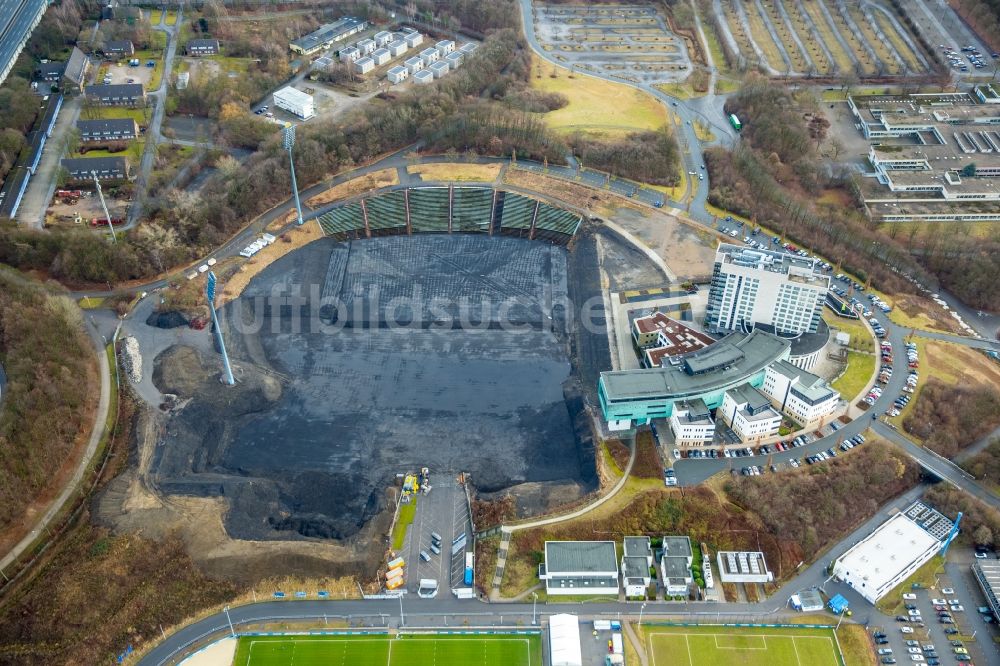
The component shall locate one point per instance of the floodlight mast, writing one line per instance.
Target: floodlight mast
(210, 296)
(107, 215)
(289, 140)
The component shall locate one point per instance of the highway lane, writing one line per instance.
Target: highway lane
(17, 19)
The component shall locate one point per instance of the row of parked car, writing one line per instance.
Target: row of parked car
(256, 246)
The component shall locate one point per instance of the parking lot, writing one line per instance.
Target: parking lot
(444, 511)
(955, 583)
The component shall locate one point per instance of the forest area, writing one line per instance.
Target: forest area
(950, 417)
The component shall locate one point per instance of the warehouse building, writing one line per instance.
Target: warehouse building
(987, 573)
(295, 101)
(777, 289)
(635, 396)
(896, 549)
(106, 168)
(397, 74)
(327, 35)
(107, 131)
(580, 567)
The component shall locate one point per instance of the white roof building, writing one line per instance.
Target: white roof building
(423, 77)
(564, 640)
(580, 567)
(364, 65)
(397, 74)
(414, 64)
(397, 49)
(295, 101)
(381, 56)
(439, 68)
(890, 554)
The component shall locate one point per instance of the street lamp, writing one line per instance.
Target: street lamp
(534, 601)
(232, 632)
(641, 609)
(402, 618)
(289, 143)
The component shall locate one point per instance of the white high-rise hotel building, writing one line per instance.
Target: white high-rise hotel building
(763, 287)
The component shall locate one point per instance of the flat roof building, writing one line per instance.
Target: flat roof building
(776, 289)
(439, 69)
(364, 65)
(397, 74)
(429, 56)
(636, 396)
(661, 338)
(564, 640)
(897, 548)
(580, 567)
(749, 413)
(326, 35)
(397, 48)
(987, 573)
(414, 64)
(800, 394)
(692, 423)
(423, 77)
(381, 57)
(743, 567)
(295, 101)
(675, 565)
(413, 39)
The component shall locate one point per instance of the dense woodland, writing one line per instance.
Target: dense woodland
(649, 157)
(985, 465)
(950, 417)
(50, 392)
(980, 522)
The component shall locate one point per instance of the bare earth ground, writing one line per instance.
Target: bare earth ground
(220, 653)
(689, 252)
(291, 240)
(366, 183)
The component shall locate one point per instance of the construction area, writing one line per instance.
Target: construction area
(631, 42)
(355, 360)
(818, 38)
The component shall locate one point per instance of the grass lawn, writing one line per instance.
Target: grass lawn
(744, 646)
(861, 338)
(596, 106)
(154, 16)
(90, 302)
(230, 64)
(892, 602)
(171, 17)
(120, 112)
(381, 650)
(484, 173)
(859, 370)
(406, 513)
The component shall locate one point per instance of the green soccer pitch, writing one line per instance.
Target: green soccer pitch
(740, 646)
(382, 650)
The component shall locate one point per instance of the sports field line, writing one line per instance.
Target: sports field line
(763, 639)
(386, 639)
(794, 637)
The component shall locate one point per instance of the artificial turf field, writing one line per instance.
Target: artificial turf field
(382, 650)
(740, 646)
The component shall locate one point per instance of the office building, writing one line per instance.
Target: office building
(295, 101)
(580, 567)
(801, 395)
(749, 413)
(692, 423)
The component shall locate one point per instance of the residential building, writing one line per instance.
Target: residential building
(638, 546)
(414, 65)
(897, 548)
(382, 38)
(580, 567)
(635, 396)
(77, 68)
(113, 130)
(106, 168)
(468, 48)
(675, 565)
(636, 562)
(202, 47)
(327, 35)
(367, 46)
(350, 54)
(439, 69)
(397, 74)
(445, 46)
(119, 48)
(364, 65)
(801, 395)
(423, 77)
(295, 101)
(743, 567)
(662, 338)
(454, 59)
(121, 94)
(397, 48)
(381, 57)
(413, 39)
(691, 423)
(776, 289)
(429, 56)
(50, 71)
(749, 413)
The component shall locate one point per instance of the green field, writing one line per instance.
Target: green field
(382, 650)
(744, 646)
